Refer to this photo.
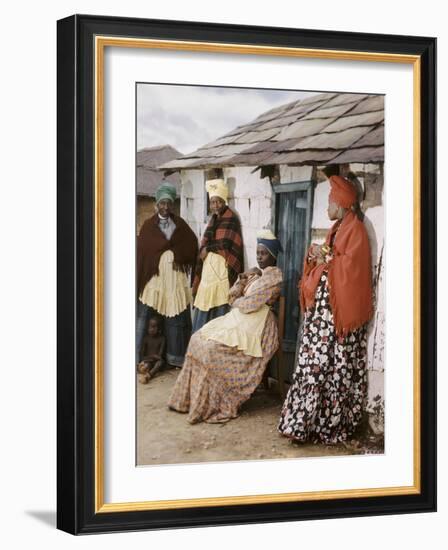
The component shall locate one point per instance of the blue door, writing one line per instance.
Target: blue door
(293, 225)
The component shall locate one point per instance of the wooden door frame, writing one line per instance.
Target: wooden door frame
(306, 185)
(291, 187)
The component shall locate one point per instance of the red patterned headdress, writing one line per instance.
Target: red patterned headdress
(343, 192)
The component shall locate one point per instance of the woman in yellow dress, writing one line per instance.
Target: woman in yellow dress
(220, 258)
(166, 254)
(226, 359)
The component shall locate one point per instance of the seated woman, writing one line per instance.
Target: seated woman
(226, 359)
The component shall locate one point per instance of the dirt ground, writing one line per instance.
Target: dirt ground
(165, 436)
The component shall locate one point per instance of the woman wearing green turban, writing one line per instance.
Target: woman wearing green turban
(166, 254)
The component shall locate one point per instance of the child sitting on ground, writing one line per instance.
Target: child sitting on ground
(153, 349)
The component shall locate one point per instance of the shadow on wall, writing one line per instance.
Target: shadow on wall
(370, 227)
(231, 184)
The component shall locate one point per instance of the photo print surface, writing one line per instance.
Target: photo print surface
(259, 274)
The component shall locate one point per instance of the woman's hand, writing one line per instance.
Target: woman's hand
(249, 274)
(236, 291)
(255, 271)
(317, 253)
(243, 279)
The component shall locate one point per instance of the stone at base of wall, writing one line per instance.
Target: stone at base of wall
(375, 412)
(376, 427)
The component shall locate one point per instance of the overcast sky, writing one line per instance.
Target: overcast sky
(187, 117)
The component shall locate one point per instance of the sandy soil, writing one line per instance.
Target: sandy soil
(165, 437)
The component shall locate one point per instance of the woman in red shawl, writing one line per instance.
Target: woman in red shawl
(326, 399)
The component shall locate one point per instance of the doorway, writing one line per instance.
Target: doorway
(293, 209)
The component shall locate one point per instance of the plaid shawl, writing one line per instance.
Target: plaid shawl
(223, 236)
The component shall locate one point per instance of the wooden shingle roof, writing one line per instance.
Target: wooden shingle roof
(149, 176)
(322, 129)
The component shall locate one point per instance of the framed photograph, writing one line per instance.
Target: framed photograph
(246, 274)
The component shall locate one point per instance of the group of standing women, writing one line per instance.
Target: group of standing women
(235, 332)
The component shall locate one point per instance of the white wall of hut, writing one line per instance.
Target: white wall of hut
(252, 198)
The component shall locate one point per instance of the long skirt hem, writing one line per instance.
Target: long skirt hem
(326, 400)
(217, 379)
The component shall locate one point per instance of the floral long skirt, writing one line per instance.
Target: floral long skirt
(217, 379)
(326, 400)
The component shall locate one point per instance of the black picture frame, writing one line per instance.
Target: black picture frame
(76, 511)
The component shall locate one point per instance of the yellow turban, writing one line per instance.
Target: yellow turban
(217, 188)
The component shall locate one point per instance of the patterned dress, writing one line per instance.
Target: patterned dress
(217, 379)
(325, 402)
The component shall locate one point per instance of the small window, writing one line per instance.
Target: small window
(214, 174)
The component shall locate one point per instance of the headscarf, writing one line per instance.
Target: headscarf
(166, 191)
(217, 188)
(267, 239)
(343, 192)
